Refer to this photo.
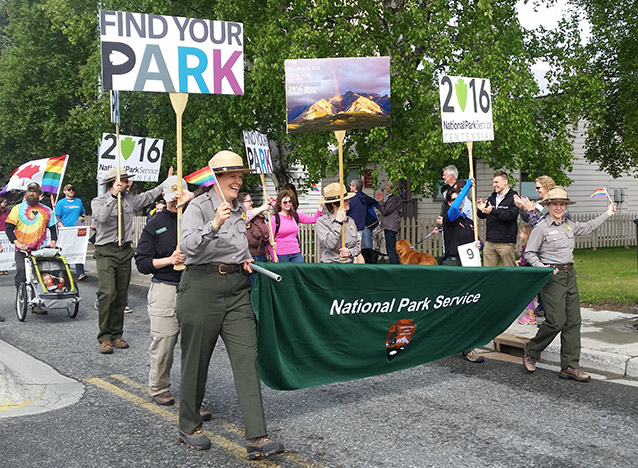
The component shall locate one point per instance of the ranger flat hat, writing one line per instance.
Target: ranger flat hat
(111, 175)
(332, 193)
(557, 195)
(227, 161)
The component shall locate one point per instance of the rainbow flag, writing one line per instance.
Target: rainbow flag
(53, 174)
(315, 188)
(47, 172)
(601, 192)
(204, 177)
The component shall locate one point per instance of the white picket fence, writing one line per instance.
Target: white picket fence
(619, 231)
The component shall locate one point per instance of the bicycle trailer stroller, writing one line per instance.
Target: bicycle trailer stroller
(49, 284)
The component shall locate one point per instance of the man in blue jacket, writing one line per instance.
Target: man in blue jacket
(359, 205)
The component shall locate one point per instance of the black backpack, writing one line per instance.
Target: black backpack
(277, 221)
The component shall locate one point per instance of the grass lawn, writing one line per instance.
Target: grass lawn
(608, 278)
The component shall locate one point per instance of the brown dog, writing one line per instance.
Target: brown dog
(409, 256)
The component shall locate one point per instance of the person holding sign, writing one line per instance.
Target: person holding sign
(501, 230)
(328, 227)
(113, 260)
(551, 245)
(458, 230)
(213, 300)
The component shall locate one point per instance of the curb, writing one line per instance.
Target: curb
(29, 386)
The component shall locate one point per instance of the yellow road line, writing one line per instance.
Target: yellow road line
(222, 442)
(132, 383)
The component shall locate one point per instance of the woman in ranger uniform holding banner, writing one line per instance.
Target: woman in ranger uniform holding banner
(213, 299)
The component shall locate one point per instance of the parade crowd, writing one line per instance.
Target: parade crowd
(209, 250)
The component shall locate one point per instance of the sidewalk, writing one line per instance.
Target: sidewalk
(609, 343)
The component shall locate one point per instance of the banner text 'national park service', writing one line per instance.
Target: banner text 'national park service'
(328, 323)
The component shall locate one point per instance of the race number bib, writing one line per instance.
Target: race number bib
(469, 255)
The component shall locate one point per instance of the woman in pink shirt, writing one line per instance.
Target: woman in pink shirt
(285, 226)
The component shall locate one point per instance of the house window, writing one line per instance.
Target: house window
(528, 186)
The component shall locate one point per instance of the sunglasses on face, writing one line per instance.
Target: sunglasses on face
(538, 188)
(286, 202)
(70, 190)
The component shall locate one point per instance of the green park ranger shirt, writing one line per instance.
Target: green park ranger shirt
(202, 244)
(104, 214)
(552, 242)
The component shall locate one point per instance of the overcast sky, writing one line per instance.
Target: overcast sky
(547, 17)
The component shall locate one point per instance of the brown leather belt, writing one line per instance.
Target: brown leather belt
(125, 245)
(566, 267)
(221, 268)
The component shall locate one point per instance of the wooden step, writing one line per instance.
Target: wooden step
(504, 343)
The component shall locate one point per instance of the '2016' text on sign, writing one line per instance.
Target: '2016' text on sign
(466, 109)
(142, 52)
(140, 157)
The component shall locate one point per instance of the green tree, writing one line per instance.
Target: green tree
(423, 38)
(612, 139)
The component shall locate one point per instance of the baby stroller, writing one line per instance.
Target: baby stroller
(48, 285)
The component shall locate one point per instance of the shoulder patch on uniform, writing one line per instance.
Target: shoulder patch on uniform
(161, 230)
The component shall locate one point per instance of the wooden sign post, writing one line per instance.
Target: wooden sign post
(179, 100)
(341, 134)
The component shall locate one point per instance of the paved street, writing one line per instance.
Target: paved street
(450, 413)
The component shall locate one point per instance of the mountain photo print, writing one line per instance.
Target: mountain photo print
(337, 93)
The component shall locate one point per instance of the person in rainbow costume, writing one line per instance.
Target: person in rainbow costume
(27, 226)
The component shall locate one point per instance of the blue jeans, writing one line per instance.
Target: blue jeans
(258, 258)
(79, 268)
(290, 258)
(366, 238)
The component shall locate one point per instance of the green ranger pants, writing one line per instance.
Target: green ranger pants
(210, 304)
(562, 315)
(114, 275)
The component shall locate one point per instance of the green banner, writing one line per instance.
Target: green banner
(328, 323)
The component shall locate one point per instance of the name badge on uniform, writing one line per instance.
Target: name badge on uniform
(161, 230)
(552, 232)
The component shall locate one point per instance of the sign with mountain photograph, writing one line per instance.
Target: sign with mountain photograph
(337, 93)
(466, 109)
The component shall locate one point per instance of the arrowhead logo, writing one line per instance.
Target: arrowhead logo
(461, 93)
(399, 336)
(127, 146)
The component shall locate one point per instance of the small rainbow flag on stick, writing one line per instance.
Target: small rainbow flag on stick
(204, 177)
(601, 192)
